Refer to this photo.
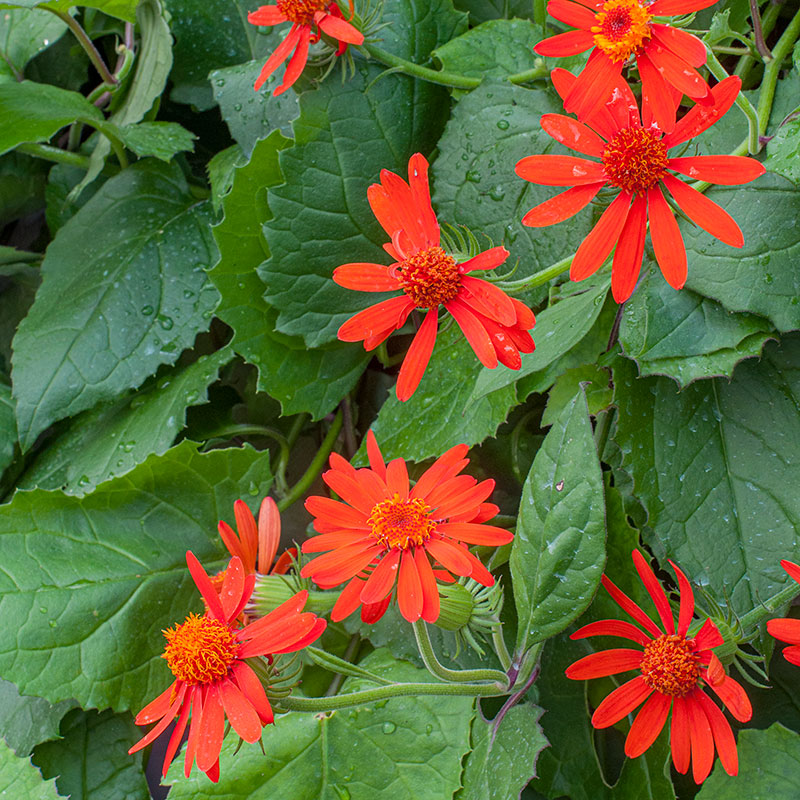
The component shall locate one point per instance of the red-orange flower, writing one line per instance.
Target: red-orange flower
(387, 532)
(496, 325)
(208, 657)
(618, 29)
(788, 630)
(308, 18)
(257, 545)
(672, 670)
(634, 158)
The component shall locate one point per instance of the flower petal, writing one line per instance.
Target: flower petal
(253, 690)
(704, 212)
(680, 738)
(702, 116)
(631, 608)
(365, 277)
(430, 592)
(630, 250)
(687, 47)
(474, 332)
(612, 627)
(722, 170)
(655, 590)
(722, 733)
(156, 709)
(340, 565)
(335, 512)
(280, 55)
(785, 629)
(374, 456)
(559, 170)
(562, 206)
(450, 556)
(241, 714)
(655, 93)
(383, 578)
(375, 319)
(419, 354)
(232, 588)
(686, 611)
(409, 588)
(445, 467)
(676, 71)
(667, 240)
(204, 585)
(579, 16)
(594, 249)
(702, 739)
(621, 702)
(267, 15)
(488, 259)
(565, 44)
(473, 533)
(606, 662)
(647, 724)
(594, 86)
(349, 600)
(269, 533)
(296, 63)
(671, 8)
(177, 734)
(490, 300)
(212, 729)
(340, 29)
(734, 697)
(573, 134)
(420, 190)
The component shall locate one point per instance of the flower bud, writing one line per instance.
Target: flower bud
(470, 610)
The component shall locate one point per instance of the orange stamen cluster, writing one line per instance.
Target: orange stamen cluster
(200, 650)
(430, 277)
(400, 524)
(670, 666)
(301, 11)
(623, 26)
(635, 159)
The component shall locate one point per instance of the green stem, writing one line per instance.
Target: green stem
(352, 649)
(602, 429)
(442, 77)
(499, 642)
(438, 670)
(755, 617)
(87, 44)
(768, 21)
(315, 467)
(746, 107)
(55, 154)
(540, 13)
(339, 701)
(771, 72)
(538, 278)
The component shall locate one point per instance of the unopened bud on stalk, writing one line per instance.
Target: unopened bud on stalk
(273, 590)
(470, 610)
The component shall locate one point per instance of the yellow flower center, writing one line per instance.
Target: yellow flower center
(200, 650)
(400, 523)
(635, 159)
(670, 666)
(623, 26)
(301, 11)
(430, 277)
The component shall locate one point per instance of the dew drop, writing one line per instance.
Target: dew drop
(503, 124)
(389, 727)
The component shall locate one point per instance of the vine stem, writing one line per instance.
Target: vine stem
(538, 278)
(746, 107)
(771, 71)
(500, 647)
(353, 699)
(315, 467)
(441, 77)
(769, 607)
(87, 44)
(438, 670)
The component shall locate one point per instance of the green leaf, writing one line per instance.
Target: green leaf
(595, 383)
(123, 290)
(25, 721)
(494, 49)
(559, 548)
(490, 130)
(760, 278)
(769, 766)
(122, 9)
(91, 761)
(19, 289)
(210, 34)
(438, 415)
(22, 185)
(221, 169)
(684, 335)
(483, 10)
(251, 115)
(407, 748)
(503, 758)
(345, 135)
(718, 458)
(160, 139)
(23, 34)
(558, 329)
(19, 778)
(92, 581)
(301, 379)
(39, 111)
(8, 426)
(783, 151)
(112, 438)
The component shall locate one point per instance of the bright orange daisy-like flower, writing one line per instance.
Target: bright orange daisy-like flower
(308, 18)
(495, 325)
(386, 532)
(672, 670)
(208, 657)
(618, 29)
(788, 630)
(634, 158)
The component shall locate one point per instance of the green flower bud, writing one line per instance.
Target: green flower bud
(469, 610)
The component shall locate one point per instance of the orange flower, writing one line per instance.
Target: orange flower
(671, 668)
(634, 158)
(788, 630)
(305, 16)
(208, 657)
(257, 546)
(386, 531)
(618, 29)
(496, 325)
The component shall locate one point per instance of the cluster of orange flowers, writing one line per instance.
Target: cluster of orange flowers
(388, 538)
